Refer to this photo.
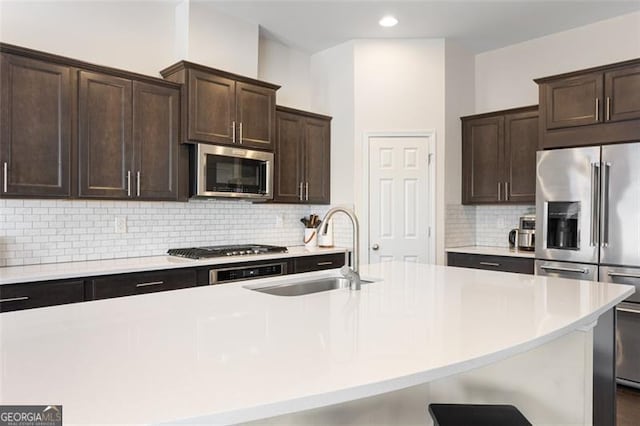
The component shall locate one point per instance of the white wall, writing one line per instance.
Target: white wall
(288, 67)
(504, 77)
(135, 36)
(144, 37)
(459, 101)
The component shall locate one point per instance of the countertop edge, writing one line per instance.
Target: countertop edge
(492, 251)
(156, 263)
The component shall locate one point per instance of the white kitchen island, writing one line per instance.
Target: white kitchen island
(225, 354)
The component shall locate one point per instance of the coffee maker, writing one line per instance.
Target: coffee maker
(524, 237)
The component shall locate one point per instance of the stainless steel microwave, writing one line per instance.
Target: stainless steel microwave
(221, 171)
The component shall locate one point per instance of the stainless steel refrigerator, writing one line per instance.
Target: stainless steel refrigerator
(588, 227)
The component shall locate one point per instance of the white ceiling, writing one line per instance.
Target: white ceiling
(312, 25)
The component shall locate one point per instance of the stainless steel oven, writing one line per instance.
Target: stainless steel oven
(221, 171)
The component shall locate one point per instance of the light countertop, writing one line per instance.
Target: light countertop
(226, 354)
(492, 251)
(56, 271)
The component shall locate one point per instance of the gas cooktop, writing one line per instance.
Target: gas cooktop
(229, 250)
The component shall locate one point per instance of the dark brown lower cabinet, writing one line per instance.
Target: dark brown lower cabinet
(522, 265)
(318, 263)
(15, 297)
(140, 283)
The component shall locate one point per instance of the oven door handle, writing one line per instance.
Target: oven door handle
(628, 309)
(563, 269)
(623, 275)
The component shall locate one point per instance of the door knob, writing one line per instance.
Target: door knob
(375, 247)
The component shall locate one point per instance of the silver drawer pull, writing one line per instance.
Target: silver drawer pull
(630, 310)
(489, 264)
(14, 299)
(149, 283)
(5, 177)
(324, 263)
(623, 275)
(561, 269)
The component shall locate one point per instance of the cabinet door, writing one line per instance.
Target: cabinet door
(288, 175)
(317, 164)
(16, 297)
(105, 148)
(35, 136)
(521, 143)
(575, 101)
(141, 283)
(155, 135)
(482, 151)
(256, 107)
(212, 108)
(622, 94)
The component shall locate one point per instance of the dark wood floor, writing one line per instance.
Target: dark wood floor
(628, 401)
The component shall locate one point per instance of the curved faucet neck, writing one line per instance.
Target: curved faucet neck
(356, 232)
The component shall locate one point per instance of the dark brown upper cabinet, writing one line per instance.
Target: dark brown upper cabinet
(105, 148)
(36, 132)
(499, 157)
(74, 129)
(590, 107)
(156, 120)
(302, 157)
(224, 108)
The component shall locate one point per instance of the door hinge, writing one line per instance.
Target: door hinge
(429, 232)
(429, 158)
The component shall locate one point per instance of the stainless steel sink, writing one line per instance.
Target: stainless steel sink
(299, 288)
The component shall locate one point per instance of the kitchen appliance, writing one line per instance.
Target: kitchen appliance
(524, 238)
(221, 171)
(242, 273)
(226, 250)
(588, 227)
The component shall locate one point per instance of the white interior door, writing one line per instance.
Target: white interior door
(399, 199)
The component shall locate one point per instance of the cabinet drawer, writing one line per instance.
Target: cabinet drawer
(15, 297)
(141, 283)
(492, 263)
(318, 263)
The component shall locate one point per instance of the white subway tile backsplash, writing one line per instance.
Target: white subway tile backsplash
(50, 231)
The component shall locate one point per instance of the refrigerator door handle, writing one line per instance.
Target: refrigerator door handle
(595, 190)
(604, 209)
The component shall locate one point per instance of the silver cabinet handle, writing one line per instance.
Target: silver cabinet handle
(375, 247)
(629, 310)
(5, 174)
(595, 190)
(597, 109)
(149, 283)
(489, 264)
(128, 183)
(499, 196)
(233, 131)
(604, 209)
(138, 183)
(623, 275)
(324, 263)
(14, 299)
(300, 191)
(241, 133)
(506, 191)
(608, 108)
(306, 191)
(563, 269)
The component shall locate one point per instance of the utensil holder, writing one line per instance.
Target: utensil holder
(310, 237)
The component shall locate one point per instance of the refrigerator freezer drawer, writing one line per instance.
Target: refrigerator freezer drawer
(628, 342)
(619, 275)
(577, 271)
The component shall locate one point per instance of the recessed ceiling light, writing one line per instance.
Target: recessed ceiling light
(388, 21)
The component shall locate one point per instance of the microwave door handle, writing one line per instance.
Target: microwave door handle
(595, 190)
(604, 209)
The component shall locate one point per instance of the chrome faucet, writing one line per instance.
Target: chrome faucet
(352, 274)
